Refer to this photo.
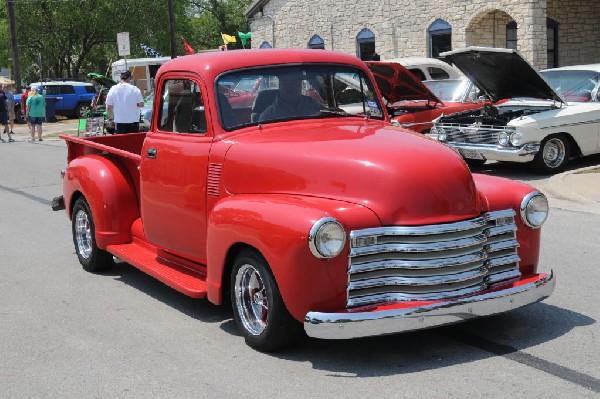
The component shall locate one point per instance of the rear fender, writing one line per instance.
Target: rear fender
(278, 227)
(110, 192)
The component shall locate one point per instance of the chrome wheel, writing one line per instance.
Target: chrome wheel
(554, 152)
(83, 234)
(92, 258)
(251, 299)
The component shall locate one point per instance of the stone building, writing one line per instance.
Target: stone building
(548, 33)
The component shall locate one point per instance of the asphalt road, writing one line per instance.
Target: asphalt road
(65, 333)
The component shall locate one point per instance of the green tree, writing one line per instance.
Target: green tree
(215, 17)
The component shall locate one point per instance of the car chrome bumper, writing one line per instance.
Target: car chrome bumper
(491, 152)
(372, 323)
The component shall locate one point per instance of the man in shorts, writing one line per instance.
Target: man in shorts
(36, 111)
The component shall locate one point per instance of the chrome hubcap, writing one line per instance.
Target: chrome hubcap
(83, 234)
(554, 153)
(251, 299)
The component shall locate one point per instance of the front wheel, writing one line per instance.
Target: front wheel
(258, 308)
(553, 155)
(92, 258)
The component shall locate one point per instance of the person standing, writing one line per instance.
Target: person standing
(36, 111)
(4, 115)
(122, 104)
(24, 105)
(10, 105)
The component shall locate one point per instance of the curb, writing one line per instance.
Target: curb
(559, 188)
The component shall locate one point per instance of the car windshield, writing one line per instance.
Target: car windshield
(573, 86)
(453, 90)
(295, 92)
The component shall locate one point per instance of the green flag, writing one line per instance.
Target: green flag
(244, 37)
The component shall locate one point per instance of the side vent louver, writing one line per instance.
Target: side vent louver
(214, 179)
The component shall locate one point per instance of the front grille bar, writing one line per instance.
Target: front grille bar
(414, 263)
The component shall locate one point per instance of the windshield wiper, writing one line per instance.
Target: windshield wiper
(338, 112)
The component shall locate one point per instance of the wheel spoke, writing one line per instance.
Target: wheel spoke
(251, 299)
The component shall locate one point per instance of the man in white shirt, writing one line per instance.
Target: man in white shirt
(122, 103)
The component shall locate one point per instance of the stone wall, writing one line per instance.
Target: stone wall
(400, 27)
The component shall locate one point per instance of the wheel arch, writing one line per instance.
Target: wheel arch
(110, 193)
(277, 227)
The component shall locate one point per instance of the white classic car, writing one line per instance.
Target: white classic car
(546, 121)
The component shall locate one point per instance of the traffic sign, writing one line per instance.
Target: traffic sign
(123, 43)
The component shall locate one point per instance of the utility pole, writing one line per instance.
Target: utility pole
(172, 29)
(16, 69)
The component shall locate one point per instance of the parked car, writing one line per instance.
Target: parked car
(427, 68)
(414, 104)
(537, 125)
(72, 98)
(577, 83)
(322, 219)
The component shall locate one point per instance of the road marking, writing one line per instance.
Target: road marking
(508, 352)
(26, 195)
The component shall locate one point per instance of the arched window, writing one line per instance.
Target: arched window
(440, 37)
(552, 46)
(265, 45)
(365, 45)
(511, 35)
(316, 42)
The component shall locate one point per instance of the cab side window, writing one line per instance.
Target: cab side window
(182, 109)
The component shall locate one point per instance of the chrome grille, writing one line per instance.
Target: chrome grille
(472, 134)
(418, 263)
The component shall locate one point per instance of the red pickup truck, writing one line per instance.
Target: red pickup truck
(307, 210)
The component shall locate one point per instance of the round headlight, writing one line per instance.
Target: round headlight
(433, 130)
(327, 238)
(441, 134)
(503, 138)
(515, 139)
(534, 209)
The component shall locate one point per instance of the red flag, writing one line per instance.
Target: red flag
(188, 48)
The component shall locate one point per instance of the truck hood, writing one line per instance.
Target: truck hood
(396, 83)
(501, 73)
(402, 176)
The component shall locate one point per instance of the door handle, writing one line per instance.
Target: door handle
(151, 153)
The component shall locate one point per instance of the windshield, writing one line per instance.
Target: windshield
(453, 90)
(573, 86)
(295, 92)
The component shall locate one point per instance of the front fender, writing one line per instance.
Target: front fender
(278, 227)
(501, 193)
(110, 192)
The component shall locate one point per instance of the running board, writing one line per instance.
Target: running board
(181, 278)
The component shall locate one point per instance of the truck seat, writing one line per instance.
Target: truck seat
(262, 101)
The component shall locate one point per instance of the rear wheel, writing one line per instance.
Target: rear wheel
(82, 110)
(19, 115)
(92, 258)
(258, 308)
(553, 155)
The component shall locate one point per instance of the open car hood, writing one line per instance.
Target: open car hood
(396, 83)
(501, 73)
(101, 79)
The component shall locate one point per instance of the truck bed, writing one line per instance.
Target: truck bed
(125, 149)
(128, 146)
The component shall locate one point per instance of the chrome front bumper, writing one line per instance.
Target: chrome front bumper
(491, 152)
(365, 324)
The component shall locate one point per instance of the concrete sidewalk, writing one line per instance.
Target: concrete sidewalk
(581, 185)
(49, 129)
